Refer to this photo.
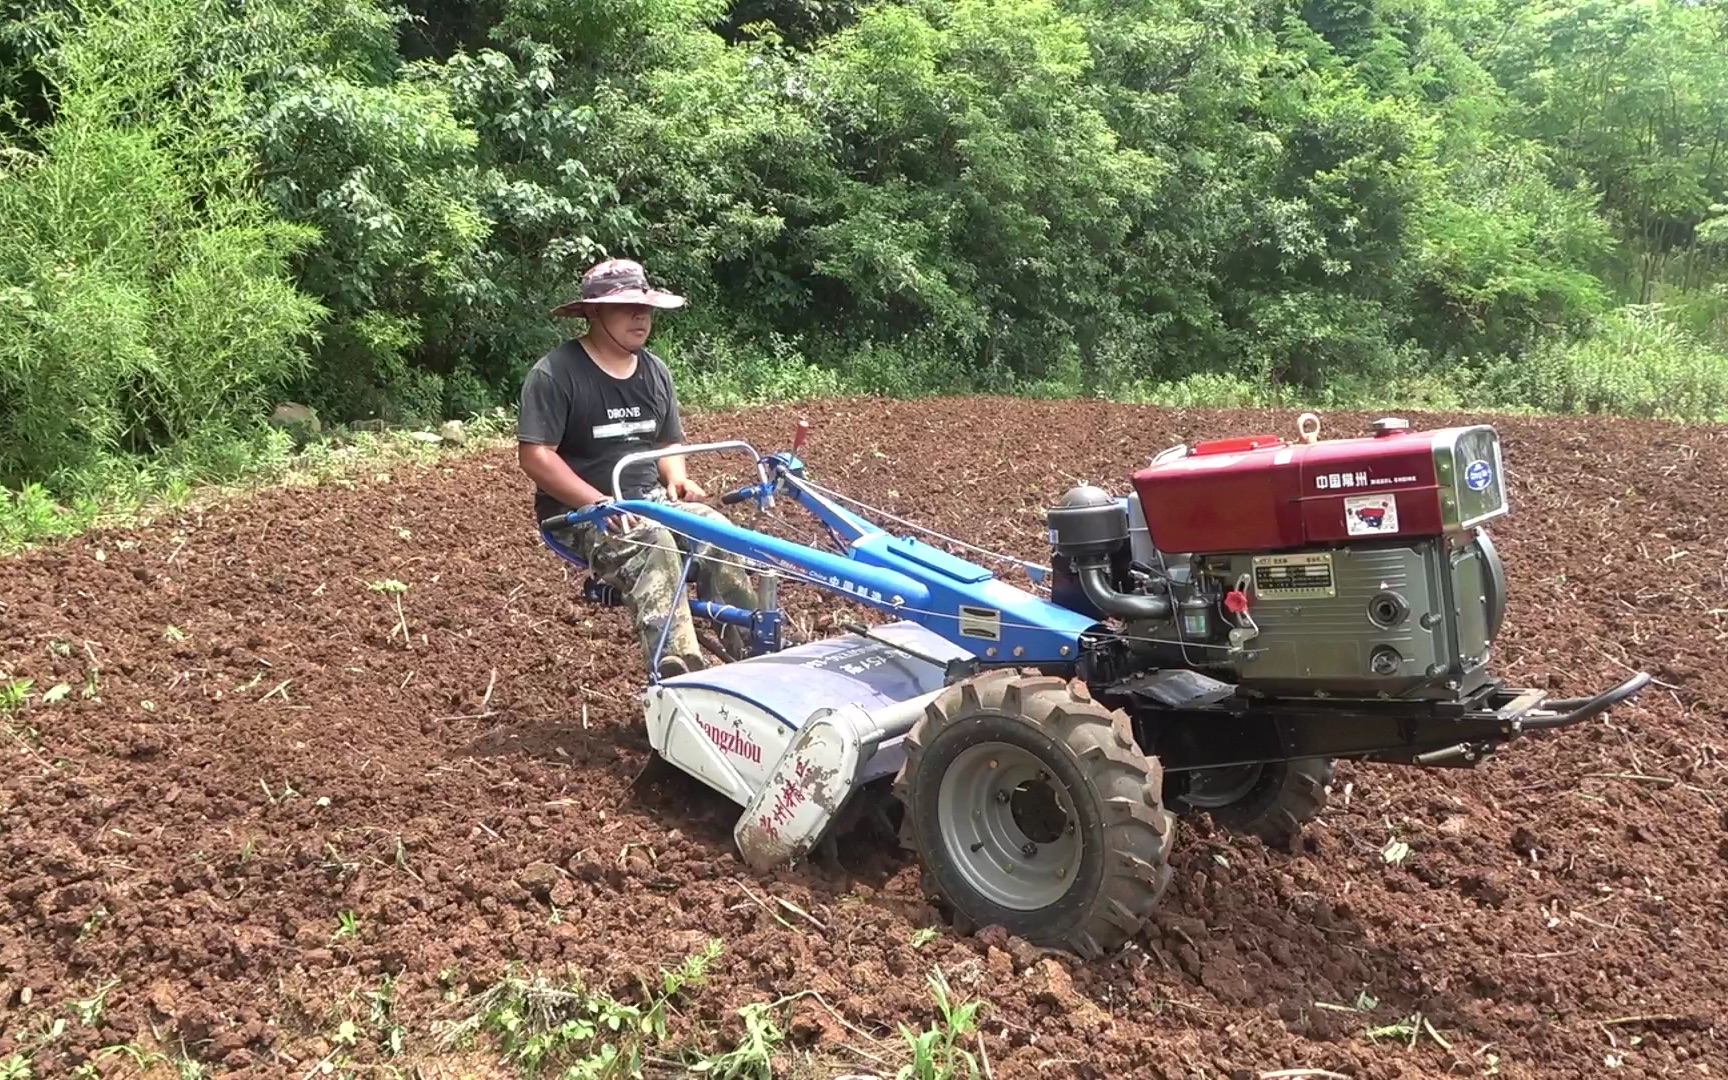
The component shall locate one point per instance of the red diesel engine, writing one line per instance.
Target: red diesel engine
(1353, 567)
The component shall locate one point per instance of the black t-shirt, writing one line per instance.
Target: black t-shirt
(570, 402)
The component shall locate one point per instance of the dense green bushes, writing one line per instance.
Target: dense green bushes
(207, 207)
(146, 307)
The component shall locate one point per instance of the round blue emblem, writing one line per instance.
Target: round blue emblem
(1478, 475)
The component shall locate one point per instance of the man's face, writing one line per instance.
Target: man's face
(627, 324)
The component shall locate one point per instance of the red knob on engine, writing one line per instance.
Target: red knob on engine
(1236, 602)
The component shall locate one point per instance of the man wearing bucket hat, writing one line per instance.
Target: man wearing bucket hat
(586, 404)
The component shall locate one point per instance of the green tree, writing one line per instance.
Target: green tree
(1633, 100)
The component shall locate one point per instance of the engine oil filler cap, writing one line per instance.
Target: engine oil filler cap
(1388, 425)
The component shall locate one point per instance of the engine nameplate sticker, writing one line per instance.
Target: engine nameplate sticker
(1371, 515)
(980, 622)
(1307, 576)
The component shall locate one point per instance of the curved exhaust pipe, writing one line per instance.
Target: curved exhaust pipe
(1095, 580)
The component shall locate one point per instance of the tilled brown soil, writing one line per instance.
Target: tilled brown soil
(245, 749)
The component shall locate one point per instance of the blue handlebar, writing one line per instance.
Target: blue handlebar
(579, 517)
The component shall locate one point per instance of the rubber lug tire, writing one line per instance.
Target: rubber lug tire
(1287, 797)
(1117, 791)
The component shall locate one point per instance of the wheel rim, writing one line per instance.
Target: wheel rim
(1214, 788)
(1009, 826)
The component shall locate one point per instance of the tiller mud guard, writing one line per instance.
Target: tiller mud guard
(792, 736)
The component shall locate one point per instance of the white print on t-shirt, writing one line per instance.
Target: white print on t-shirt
(624, 413)
(625, 429)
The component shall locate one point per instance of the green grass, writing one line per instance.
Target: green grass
(1641, 364)
(540, 1026)
(941, 1052)
(534, 1026)
(1639, 361)
(39, 1027)
(539, 1023)
(753, 1057)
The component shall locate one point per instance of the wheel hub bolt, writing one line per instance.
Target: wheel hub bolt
(1002, 796)
(1028, 849)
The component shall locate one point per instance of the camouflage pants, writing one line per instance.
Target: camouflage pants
(644, 566)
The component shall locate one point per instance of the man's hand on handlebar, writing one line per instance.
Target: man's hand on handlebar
(684, 489)
(618, 523)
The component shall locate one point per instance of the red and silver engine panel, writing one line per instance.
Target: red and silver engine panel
(1263, 493)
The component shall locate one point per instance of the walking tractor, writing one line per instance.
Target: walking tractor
(1251, 610)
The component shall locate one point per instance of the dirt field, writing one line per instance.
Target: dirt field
(245, 749)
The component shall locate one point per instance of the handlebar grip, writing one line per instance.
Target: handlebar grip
(732, 498)
(569, 517)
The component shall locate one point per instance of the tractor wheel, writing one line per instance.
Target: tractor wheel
(1030, 807)
(1272, 801)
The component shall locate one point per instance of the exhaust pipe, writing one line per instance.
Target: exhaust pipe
(1095, 580)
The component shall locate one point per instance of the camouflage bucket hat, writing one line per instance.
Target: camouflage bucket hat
(618, 281)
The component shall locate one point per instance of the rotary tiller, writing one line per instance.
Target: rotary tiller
(1252, 610)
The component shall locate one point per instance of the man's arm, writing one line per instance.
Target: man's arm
(548, 471)
(673, 470)
(544, 412)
